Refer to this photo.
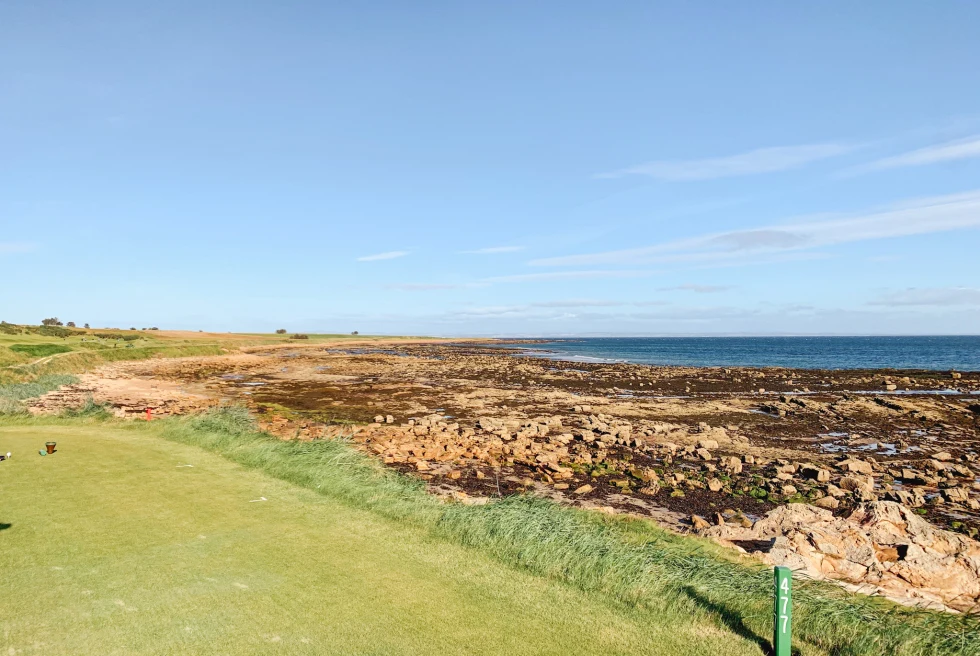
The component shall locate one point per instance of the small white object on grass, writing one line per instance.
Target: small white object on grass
(185, 465)
(259, 499)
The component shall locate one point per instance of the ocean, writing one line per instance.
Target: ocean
(923, 352)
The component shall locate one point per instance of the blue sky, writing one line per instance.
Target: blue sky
(492, 168)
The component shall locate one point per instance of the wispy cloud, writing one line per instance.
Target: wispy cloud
(421, 287)
(930, 296)
(493, 250)
(761, 160)
(945, 152)
(16, 247)
(921, 216)
(427, 287)
(390, 255)
(577, 303)
(566, 275)
(697, 289)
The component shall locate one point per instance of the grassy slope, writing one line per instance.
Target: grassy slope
(674, 586)
(25, 356)
(114, 548)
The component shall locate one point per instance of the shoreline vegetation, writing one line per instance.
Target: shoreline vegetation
(30, 352)
(630, 560)
(627, 559)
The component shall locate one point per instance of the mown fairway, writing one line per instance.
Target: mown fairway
(114, 545)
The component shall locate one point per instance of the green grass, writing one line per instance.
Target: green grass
(114, 546)
(669, 594)
(40, 350)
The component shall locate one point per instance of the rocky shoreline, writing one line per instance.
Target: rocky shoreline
(713, 450)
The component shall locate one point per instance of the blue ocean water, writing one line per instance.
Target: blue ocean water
(937, 352)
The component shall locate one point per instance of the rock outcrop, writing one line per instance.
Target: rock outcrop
(881, 547)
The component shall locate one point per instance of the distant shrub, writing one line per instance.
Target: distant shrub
(53, 331)
(123, 336)
(70, 324)
(53, 321)
(86, 326)
(154, 328)
(299, 336)
(281, 331)
(132, 329)
(355, 333)
(9, 328)
(39, 350)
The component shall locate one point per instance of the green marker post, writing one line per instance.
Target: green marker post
(782, 635)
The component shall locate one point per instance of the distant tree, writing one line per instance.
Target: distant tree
(281, 331)
(299, 336)
(86, 325)
(355, 333)
(154, 328)
(132, 328)
(53, 321)
(70, 324)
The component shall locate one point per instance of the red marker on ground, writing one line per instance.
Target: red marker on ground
(148, 414)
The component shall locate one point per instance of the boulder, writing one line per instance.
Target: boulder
(853, 483)
(699, 523)
(856, 466)
(830, 503)
(731, 464)
(882, 544)
(815, 473)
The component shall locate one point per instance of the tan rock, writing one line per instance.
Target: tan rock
(650, 490)
(882, 545)
(956, 495)
(731, 464)
(814, 473)
(715, 485)
(856, 466)
(830, 503)
(852, 483)
(699, 523)
(585, 489)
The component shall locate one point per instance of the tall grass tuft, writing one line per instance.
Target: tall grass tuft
(90, 409)
(628, 559)
(11, 395)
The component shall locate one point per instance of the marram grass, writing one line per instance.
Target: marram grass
(631, 560)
